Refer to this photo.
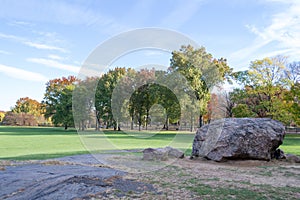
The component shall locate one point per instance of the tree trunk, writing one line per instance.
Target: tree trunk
(131, 123)
(147, 119)
(140, 122)
(192, 123)
(117, 125)
(167, 123)
(97, 124)
(66, 127)
(200, 120)
(82, 125)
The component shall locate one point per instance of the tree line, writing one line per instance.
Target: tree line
(270, 88)
(180, 95)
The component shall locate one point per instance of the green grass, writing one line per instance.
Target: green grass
(291, 144)
(136, 140)
(256, 192)
(25, 143)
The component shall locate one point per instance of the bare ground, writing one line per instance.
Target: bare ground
(202, 179)
(81, 177)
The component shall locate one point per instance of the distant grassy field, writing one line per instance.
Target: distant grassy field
(24, 143)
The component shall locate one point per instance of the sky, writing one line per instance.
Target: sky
(45, 39)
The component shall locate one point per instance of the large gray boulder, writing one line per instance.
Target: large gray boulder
(239, 138)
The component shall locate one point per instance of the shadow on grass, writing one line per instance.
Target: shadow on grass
(16, 131)
(44, 156)
(155, 137)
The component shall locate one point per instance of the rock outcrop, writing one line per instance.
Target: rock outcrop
(161, 154)
(292, 158)
(239, 138)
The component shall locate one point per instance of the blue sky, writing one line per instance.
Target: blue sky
(45, 39)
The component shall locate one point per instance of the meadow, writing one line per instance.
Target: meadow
(32, 143)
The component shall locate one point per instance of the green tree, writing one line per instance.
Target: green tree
(242, 110)
(103, 96)
(152, 94)
(64, 114)
(246, 97)
(294, 98)
(138, 104)
(83, 103)
(202, 72)
(169, 101)
(58, 100)
(143, 96)
(267, 76)
(268, 88)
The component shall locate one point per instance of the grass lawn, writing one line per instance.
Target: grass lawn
(291, 144)
(23, 143)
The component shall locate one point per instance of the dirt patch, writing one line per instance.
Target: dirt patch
(202, 179)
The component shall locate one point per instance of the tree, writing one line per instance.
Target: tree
(64, 114)
(19, 119)
(246, 97)
(172, 106)
(103, 96)
(228, 104)
(58, 101)
(267, 76)
(267, 89)
(138, 91)
(27, 105)
(219, 106)
(2, 115)
(84, 103)
(292, 72)
(202, 72)
(143, 96)
(294, 98)
(165, 97)
(242, 110)
(224, 104)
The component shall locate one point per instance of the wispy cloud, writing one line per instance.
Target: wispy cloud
(55, 57)
(62, 12)
(281, 36)
(5, 52)
(22, 74)
(54, 64)
(44, 46)
(33, 44)
(11, 37)
(20, 23)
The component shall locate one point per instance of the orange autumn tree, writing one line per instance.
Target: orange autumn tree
(26, 112)
(28, 105)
